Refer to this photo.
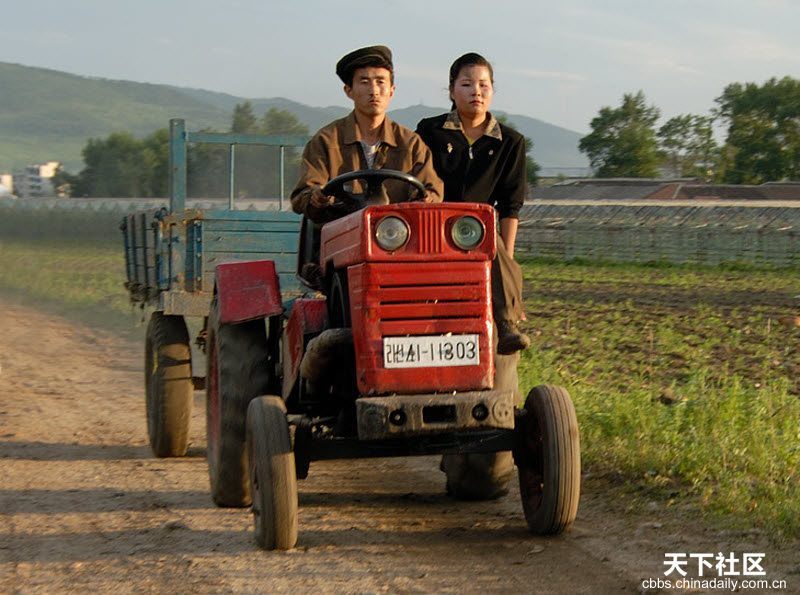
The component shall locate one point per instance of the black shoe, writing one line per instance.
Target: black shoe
(510, 339)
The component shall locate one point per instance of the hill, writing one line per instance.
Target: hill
(48, 114)
(313, 117)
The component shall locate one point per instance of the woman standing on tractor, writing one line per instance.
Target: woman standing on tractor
(481, 160)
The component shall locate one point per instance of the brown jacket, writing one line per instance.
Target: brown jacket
(336, 149)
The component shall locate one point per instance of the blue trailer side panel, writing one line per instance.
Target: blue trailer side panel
(143, 254)
(217, 236)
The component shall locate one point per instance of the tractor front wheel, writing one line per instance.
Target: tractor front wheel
(549, 461)
(273, 479)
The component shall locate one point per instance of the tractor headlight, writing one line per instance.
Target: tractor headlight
(391, 233)
(467, 232)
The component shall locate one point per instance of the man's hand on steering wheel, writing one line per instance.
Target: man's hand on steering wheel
(319, 199)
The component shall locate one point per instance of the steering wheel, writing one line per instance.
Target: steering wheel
(374, 194)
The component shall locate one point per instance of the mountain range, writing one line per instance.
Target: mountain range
(49, 115)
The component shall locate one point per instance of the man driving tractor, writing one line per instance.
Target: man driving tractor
(364, 139)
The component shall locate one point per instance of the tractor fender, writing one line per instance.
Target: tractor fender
(307, 319)
(247, 290)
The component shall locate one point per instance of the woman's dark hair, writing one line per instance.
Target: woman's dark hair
(468, 59)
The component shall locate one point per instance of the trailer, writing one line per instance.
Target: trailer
(171, 255)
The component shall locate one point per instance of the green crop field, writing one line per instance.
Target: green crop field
(82, 280)
(686, 380)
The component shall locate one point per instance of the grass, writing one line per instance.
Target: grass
(83, 280)
(686, 379)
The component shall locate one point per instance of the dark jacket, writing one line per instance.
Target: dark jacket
(491, 171)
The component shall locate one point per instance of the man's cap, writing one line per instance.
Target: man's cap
(375, 55)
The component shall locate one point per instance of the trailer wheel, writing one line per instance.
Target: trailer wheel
(273, 480)
(237, 371)
(549, 461)
(168, 384)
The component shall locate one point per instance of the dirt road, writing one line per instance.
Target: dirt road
(84, 506)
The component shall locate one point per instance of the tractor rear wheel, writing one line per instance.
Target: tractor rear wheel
(273, 479)
(168, 384)
(237, 371)
(339, 301)
(549, 461)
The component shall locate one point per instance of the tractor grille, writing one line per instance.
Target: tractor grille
(413, 300)
(452, 291)
(430, 232)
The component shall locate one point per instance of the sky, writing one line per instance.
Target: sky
(556, 61)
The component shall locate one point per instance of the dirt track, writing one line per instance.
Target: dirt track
(84, 506)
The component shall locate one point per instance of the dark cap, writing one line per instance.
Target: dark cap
(378, 56)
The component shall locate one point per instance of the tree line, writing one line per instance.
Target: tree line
(762, 142)
(122, 165)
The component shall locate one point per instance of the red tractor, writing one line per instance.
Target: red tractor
(391, 352)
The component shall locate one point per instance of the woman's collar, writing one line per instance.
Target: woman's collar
(453, 122)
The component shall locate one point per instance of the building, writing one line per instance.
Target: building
(35, 180)
(6, 185)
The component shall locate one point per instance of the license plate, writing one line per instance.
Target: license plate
(431, 351)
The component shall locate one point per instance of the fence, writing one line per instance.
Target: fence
(89, 218)
(702, 234)
(679, 233)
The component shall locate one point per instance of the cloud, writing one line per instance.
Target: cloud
(737, 43)
(42, 37)
(775, 4)
(437, 75)
(225, 52)
(645, 54)
(533, 73)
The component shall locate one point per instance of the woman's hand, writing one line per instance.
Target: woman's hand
(508, 231)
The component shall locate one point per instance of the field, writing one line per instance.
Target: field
(685, 379)
(83, 280)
